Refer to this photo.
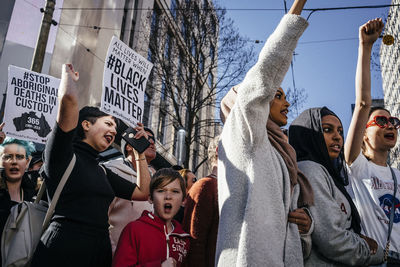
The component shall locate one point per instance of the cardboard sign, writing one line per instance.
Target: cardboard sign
(124, 82)
(31, 104)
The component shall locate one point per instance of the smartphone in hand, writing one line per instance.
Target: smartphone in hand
(140, 145)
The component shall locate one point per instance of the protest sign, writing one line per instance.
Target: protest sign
(31, 104)
(124, 82)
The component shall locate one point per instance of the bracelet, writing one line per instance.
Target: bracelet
(140, 159)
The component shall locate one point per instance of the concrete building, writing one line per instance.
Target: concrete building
(85, 30)
(390, 67)
(19, 27)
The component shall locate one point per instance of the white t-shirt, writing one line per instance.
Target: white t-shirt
(373, 187)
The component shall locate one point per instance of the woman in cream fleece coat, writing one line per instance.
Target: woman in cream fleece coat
(254, 187)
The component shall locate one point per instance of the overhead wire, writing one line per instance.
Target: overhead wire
(229, 9)
(81, 44)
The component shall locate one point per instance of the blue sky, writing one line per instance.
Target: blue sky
(326, 70)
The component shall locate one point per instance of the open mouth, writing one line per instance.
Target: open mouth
(389, 136)
(14, 170)
(285, 112)
(167, 207)
(109, 138)
(336, 147)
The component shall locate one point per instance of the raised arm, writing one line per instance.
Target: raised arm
(68, 110)
(297, 7)
(368, 34)
(142, 189)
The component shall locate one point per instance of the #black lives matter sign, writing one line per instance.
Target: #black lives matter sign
(124, 82)
(31, 104)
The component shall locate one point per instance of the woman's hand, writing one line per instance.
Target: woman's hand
(370, 31)
(139, 133)
(373, 246)
(302, 219)
(2, 134)
(170, 262)
(69, 77)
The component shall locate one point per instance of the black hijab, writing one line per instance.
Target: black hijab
(307, 138)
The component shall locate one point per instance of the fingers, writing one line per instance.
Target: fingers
(140, 131)
(301, 218)
(69, 69)
(2, 134)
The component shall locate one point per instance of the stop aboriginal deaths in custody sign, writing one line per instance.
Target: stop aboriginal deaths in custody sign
(31, 104)
(124, 82)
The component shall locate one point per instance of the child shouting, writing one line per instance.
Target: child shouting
(155, 239)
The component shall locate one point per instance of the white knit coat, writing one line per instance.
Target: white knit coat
(253, 180)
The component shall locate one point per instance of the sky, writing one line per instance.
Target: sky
(325, 69)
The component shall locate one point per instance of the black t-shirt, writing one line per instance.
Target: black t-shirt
(88, 192)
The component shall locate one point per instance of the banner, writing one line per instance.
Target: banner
(124, 82)
(31, 104)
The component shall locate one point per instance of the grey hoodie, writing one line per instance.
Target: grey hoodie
(334, 242)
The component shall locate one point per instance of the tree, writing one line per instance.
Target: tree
(198, 55)
(296, 97)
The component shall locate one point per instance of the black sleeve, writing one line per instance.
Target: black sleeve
(122, 187)
(58, 153)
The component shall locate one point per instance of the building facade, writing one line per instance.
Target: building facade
(390, 68)
(156, 29)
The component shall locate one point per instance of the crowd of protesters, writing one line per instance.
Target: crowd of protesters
(306, 198)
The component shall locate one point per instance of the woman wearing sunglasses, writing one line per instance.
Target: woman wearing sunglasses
(372, 133)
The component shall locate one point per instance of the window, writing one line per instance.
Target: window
(213, 25)
(174, 6)
(161, 126)
(201, 62)
(150, 55)
(155, 20)
(179, 67)
(195, 154)
(196, 14)
(212, 53)
(163, 90)
(168, 47)
(210, 80)
(194, 47)
(184, 30)
(146, 112)
(205, 5)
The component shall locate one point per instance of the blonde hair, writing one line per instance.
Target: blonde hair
(212, 149)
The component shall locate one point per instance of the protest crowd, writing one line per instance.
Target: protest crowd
(308, 197)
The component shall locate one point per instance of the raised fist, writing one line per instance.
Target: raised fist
(370, 31)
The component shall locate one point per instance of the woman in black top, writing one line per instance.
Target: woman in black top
(78, 233)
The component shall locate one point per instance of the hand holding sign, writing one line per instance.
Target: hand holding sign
(2, 134)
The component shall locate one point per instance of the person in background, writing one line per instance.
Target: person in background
(201, 214)
(259, 183)
(15, 185)
(317, 136)
(122, 211)
(189, 177)
(36, 161)
(78, 232)
(372, 133)
(155, 239)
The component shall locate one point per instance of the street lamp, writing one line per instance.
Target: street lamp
(180, 146)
